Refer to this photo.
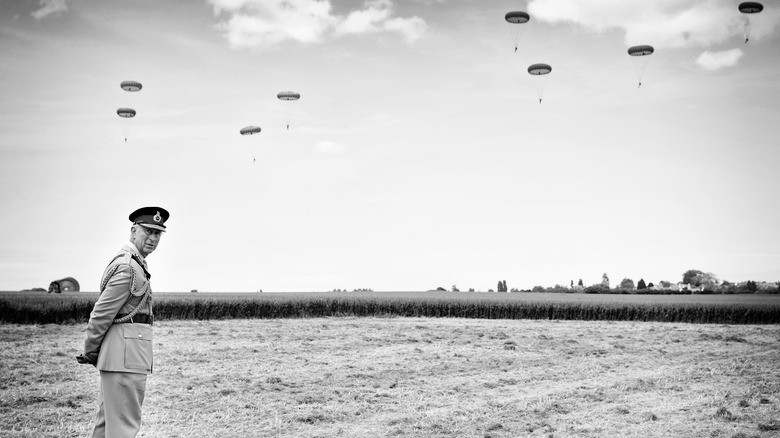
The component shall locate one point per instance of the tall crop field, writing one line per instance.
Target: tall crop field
(40, 308)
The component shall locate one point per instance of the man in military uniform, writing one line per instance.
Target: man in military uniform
(119, 333)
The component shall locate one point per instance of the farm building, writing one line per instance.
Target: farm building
(67, 284)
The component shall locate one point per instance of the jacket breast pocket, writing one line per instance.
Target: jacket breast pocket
(138, 347)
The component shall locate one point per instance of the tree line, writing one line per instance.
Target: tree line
(693, 281)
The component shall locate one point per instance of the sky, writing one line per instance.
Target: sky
(421, 153)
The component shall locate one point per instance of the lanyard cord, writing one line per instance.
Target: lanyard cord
(145, 293)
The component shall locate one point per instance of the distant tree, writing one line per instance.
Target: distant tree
(455, 288)
(580, 283)
(538, 289)
(692, 276)
(605, 280)
(441, 289)
(650, 284)
(597, 289)
(502, 286)
(627, 283)
(471, 289)
(491, 290)
(708, 281)
(641, 284)
(751, 286)
(506, 289)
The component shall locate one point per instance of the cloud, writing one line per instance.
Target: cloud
(717, 60)
(264, 23)
(329, 147)
(49, 7)
(661, 23)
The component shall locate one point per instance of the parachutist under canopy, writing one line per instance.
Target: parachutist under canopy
(640, 84)
(746, 40)
(515, 49)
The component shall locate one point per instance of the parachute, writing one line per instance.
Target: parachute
(515, 18)
(639, 55)
(749, 8)
(126, 113)
(251, 130)
(132, 87)
(540, 70)
(289, 96)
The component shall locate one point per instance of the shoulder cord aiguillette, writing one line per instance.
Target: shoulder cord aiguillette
(145, 292)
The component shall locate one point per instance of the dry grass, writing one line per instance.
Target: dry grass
(412, 377)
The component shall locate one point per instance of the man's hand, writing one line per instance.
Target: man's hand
(85, 360)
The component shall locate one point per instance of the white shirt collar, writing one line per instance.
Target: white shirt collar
(135, 251)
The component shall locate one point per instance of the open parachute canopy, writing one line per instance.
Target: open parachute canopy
(126, 112)
(250, 130)
(641, 50)
(513, 18)
(288, 95)
(639, 55)
(750, 7)
(539, 69)
(131, 85)
(517, 17)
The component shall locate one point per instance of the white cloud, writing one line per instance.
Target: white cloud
(263, 23)
(717, 60)
(411, 28)
(330, 147)
(661, 23)
(49, 7)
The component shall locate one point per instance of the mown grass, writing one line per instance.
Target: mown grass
(411, 377)
(40, 308)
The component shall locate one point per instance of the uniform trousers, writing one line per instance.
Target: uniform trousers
(121, 397)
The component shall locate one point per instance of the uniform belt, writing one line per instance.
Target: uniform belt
(139, 318)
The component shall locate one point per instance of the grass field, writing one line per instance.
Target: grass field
(412, 377)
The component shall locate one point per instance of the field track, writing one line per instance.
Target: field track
(412, 377)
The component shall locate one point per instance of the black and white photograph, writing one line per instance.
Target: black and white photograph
(389, 218)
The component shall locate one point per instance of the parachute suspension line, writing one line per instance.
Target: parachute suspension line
(749, 8)
(252, 130)
(639, 57)
(540, 73)
(516, 19)
(291, 97)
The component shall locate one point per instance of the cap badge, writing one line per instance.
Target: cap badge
(157, 217)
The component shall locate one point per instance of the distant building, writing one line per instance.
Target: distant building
(67, 284)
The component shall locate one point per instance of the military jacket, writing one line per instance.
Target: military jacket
(124, 287)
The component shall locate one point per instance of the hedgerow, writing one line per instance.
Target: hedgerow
(75, 308)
